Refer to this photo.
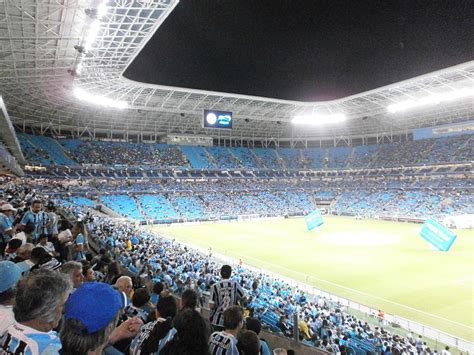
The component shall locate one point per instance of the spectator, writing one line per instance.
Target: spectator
(254, 325)
(192, 335)
(90, 319)
(225, 342)
(303, 328)
(26, 235)
(248, 343)
(140, 301)
(38, 308)
(48, 246)
(88, 272)
(39, 218)
(158, 288)
(224, 294)
(189, 299)
(52, 227)
(43, 260)
(284, 326)
(12, 246)
(153, 336)
(79, 241)
(74, 270)
(125, 285)
(22, 259)
(10, 273)
(6, 225)
(113, 273)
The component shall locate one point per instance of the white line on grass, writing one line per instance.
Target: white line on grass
(361, 292)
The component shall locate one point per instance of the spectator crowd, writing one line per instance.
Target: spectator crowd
(57, 296)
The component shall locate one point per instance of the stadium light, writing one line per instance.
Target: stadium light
(434, 99)
(99, 100)
(317, 120)
(95, 13)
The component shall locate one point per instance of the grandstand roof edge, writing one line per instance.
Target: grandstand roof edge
(294, 102)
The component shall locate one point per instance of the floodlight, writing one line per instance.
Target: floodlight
(431, 100)
(317, 120)
(101, 10)
(91, 34)
(99, 100)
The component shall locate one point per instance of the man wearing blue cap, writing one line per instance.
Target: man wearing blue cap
(10, 273)
(90, 318)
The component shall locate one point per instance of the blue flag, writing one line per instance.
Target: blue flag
(437, 235)
(314, 219)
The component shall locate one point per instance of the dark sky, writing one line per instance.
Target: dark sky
(304, 50)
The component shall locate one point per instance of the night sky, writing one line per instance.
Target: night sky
(304, 50)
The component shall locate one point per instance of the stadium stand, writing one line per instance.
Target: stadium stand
(139, 182)
(409, 153)
(163, 260)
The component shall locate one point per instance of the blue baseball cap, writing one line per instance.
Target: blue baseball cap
(95, 304)
(10, 273)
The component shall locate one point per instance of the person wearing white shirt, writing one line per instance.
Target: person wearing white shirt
(48, 246)
(446, 351)
(10, 273)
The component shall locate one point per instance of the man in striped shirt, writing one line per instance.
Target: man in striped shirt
(224, 294)
(225, 342)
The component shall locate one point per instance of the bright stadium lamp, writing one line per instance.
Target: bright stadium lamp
(431, 100)
(99, 100)
(317, 120)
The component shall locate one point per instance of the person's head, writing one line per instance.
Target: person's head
(189, 299)
(158, 287)
(125, 285)
(24, 251)
(253, 324)
(113, 268)
(74, 270)
(13, 245)
(40, 299)
(192, 334)
(90, 315)
(50, 207)
(78, 228)
(226, 271)
(248, 343)
(140, 297)
(36, 206)
(7, 209)
(447, 348)
(10, 274)
(43, 239)
(166, 307)
(88, 272)
(233, 318)
(29, 228)
(38, 255)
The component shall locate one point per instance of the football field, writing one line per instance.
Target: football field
(380, 264)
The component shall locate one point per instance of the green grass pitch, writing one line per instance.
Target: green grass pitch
(380, 264)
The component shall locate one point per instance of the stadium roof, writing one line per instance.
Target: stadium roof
(303, 50)
(45, 44)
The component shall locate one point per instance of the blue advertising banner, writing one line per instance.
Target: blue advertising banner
(313, 220)
(437, 235)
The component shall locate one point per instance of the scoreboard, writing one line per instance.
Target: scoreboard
(217, 119)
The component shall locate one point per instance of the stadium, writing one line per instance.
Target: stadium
(131, 180)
